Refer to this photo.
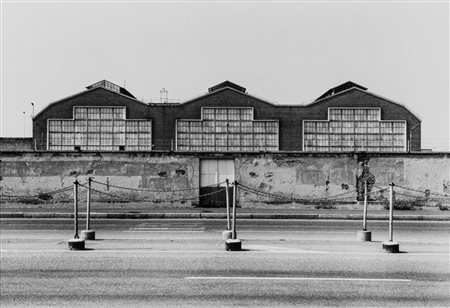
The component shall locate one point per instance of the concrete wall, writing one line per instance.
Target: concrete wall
(34, 173)
(300, 175)
(16, 144)
(310, 176)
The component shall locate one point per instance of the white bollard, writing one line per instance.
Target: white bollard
(233, 244)
(88, 234)
(391, 246)
(76, 243)
(364, 235)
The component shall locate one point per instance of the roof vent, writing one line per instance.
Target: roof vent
(110, 86)
(227, 84)
(341, 88)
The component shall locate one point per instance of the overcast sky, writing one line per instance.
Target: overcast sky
(287, 53)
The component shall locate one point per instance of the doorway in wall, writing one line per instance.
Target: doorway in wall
(214, 171)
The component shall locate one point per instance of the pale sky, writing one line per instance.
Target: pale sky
(285, 52)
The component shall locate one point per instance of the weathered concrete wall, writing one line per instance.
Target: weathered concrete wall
(304, 176)
(308, 176)
(16, 144)
(297, 175)
(34, 173)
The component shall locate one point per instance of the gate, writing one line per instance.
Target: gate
(213, 171)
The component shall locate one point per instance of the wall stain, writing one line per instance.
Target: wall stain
(365, 177)
(180, 172)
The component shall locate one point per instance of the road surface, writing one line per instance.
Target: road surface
(184, 263)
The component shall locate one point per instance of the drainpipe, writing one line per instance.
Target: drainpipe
(410, 136)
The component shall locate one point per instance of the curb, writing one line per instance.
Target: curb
(276, 216)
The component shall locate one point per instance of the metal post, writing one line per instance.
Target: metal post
(234, 210)
(88, 205)
(228, 203)
(23, 123)
(75, 205)
(391, 212)
(365, 207)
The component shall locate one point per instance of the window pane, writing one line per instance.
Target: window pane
(360, 114)
(93, 113)
(80, 113)
(119, 126)
(335, 114)
(106, 113)
(119, 113)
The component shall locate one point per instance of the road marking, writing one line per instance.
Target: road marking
(296, 231)
(299, 279)
(281, 249)
(28, 230)
(159, 230)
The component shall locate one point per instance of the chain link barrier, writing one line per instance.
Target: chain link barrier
(155, 191)
(42, 195)
(423, 195)
(349, 196)
(247, 187)
(128, 199)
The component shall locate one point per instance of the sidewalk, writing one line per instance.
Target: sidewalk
(144, 211)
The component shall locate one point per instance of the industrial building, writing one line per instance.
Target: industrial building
(227, 119)
(185, 151)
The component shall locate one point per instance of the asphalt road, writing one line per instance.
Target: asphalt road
(183, 263)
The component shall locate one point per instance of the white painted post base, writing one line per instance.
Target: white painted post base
(76, 244)
(365, 236)
(233, 245)
(88, 235)
(391, 247)
(227, 234)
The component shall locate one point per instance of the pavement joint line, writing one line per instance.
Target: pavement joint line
(102, 250)
(296, 278)
(242, 216)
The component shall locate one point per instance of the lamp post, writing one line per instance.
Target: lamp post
(23, 123)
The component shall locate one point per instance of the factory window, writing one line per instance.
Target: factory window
(99, 129)
(354, 129)
(227, 130)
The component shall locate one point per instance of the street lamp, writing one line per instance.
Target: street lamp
(23, 123)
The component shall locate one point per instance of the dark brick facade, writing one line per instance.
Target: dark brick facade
(164, 116)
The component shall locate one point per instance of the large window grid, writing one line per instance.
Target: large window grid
(227, 130)
(99, 128)
(354, 129)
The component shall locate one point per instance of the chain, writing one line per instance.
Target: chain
(154, 191)
(152, 200)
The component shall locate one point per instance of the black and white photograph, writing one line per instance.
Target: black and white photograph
(224, 153)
